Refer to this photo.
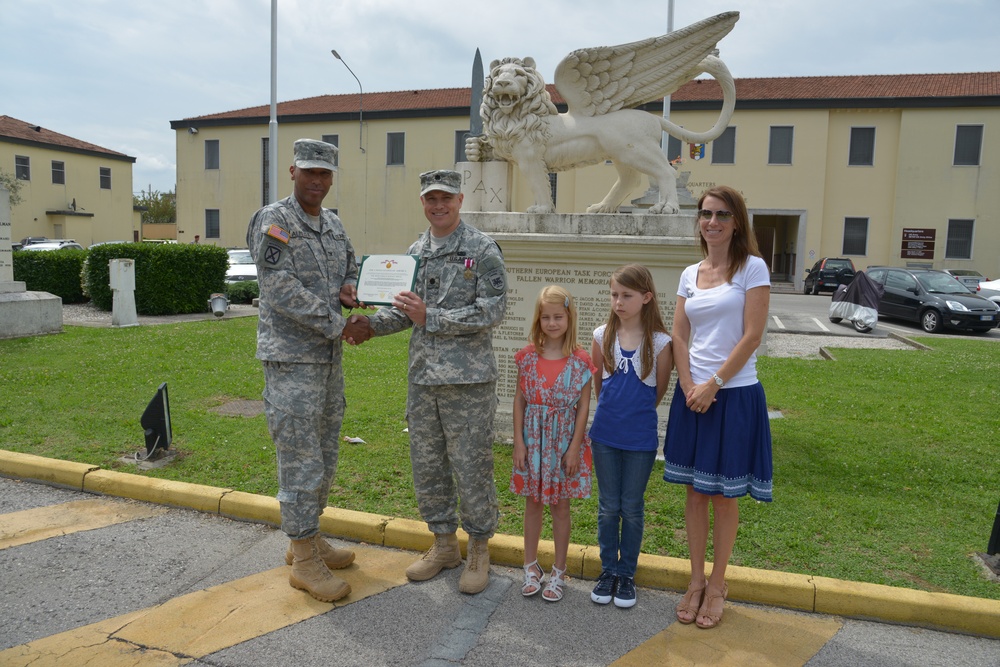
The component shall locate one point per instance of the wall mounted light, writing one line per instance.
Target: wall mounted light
(193, 130)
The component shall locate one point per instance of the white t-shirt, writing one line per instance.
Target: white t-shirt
(716, 317)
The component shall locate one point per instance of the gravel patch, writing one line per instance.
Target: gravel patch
(807, 346)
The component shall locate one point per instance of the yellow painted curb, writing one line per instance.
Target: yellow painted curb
(51, 471)
(150, 489)
(407, 534)
(357, 526)
(903, 605)
(250, 507)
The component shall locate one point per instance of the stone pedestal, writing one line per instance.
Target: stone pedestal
(579, 252)
(22, 313)
(122, 282)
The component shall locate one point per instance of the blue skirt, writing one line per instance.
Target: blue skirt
(726, 450)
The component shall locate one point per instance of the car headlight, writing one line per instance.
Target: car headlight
(957, 306)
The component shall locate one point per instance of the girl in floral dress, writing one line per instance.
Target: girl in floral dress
(552, 458)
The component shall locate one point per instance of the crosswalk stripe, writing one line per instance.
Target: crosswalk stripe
(746, 637)
(198, 624)
(42, 523)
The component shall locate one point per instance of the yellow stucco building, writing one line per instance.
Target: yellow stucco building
(70, 189)
(884, 169)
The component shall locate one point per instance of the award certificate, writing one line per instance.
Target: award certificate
(382, 277)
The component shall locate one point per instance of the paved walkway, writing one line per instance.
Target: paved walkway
(110, 568)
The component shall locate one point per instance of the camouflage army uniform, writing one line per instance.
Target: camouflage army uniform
(301, 267)
(452, 399)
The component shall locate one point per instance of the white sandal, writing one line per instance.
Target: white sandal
(554, 589)
(533, 576)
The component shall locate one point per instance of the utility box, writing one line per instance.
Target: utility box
(122, 282)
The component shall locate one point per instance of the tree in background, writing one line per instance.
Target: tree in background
(160, 207)
(13, 186)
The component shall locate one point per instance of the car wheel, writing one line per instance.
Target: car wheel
(836, 320)
(816, 287)
(805, 287)
(930, 321)
(861, 328)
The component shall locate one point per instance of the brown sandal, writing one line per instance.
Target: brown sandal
(690, 604)
(711, 610)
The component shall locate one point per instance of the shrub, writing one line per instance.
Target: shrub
(54, 271)
(170, 278)
(243, 292)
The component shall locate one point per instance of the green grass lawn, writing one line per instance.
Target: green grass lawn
(887, 463)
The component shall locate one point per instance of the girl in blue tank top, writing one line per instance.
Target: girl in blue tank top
(633, 352)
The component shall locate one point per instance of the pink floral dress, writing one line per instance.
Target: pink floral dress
(549, 422)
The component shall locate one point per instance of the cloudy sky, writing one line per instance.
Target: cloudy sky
(116, 72)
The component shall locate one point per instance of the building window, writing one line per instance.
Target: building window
(58, 173)
(105, 178)
(968, 145)
(211, 223)
(394, 145)
(211, 153)
(333, 139)
(959, 240)
(724, 148)
(22, 167)
(460, 137)
(855, 236)
(265, 176)
(780, 148)
(674, 148)
(862, 150)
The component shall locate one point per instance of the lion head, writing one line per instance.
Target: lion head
(515, 103)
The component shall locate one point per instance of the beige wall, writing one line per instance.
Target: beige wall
(102, 215)
(802, 205)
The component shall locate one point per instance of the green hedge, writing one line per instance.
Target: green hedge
(170, 278)
(54, 271)
(243, 292)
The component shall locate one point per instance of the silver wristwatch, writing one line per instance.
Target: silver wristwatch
(718, 380)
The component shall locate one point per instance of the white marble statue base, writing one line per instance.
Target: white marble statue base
(29, 314)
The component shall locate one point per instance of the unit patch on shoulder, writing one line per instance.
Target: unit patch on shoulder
(276, 232)
(492, 270)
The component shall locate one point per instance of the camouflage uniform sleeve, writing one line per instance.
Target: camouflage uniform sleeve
(282, 286)
(487, 311)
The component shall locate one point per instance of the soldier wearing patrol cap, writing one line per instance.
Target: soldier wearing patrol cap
(306, 270)
(459, 295)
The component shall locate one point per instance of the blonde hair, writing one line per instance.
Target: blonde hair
(554, 294)
(637, 278)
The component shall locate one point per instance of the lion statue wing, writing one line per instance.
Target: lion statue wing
(599, 80)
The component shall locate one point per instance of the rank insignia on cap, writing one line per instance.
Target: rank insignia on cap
(276, 232)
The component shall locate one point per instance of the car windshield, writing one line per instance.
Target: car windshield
(941, 283)
(240, 257)
(838, 264)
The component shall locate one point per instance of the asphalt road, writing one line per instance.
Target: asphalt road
(101, 580)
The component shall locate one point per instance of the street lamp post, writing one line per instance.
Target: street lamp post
(361, 101)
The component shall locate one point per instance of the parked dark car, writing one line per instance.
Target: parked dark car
(933, 299)
(827, 273)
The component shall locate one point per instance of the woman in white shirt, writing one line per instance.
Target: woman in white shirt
(718, 440)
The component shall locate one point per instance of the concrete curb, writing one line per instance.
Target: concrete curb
(802, 592)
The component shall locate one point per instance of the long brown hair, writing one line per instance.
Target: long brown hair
(554, 294)
(637, 278)
(744, 241)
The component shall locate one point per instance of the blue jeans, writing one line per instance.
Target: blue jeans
(621, 506)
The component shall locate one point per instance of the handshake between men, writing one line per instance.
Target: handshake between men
(358, 329)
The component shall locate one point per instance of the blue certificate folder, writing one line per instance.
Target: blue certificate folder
(382, 277)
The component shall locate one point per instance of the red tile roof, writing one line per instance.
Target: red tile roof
(781, 89)
(21, 132)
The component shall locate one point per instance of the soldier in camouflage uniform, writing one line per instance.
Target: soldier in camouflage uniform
(459, 295)
(306, 269)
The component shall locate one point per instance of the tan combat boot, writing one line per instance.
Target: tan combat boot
(310, 574)
(476, 576)
(334, 557)
(443, 553)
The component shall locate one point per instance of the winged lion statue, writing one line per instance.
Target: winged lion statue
(601, 87)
